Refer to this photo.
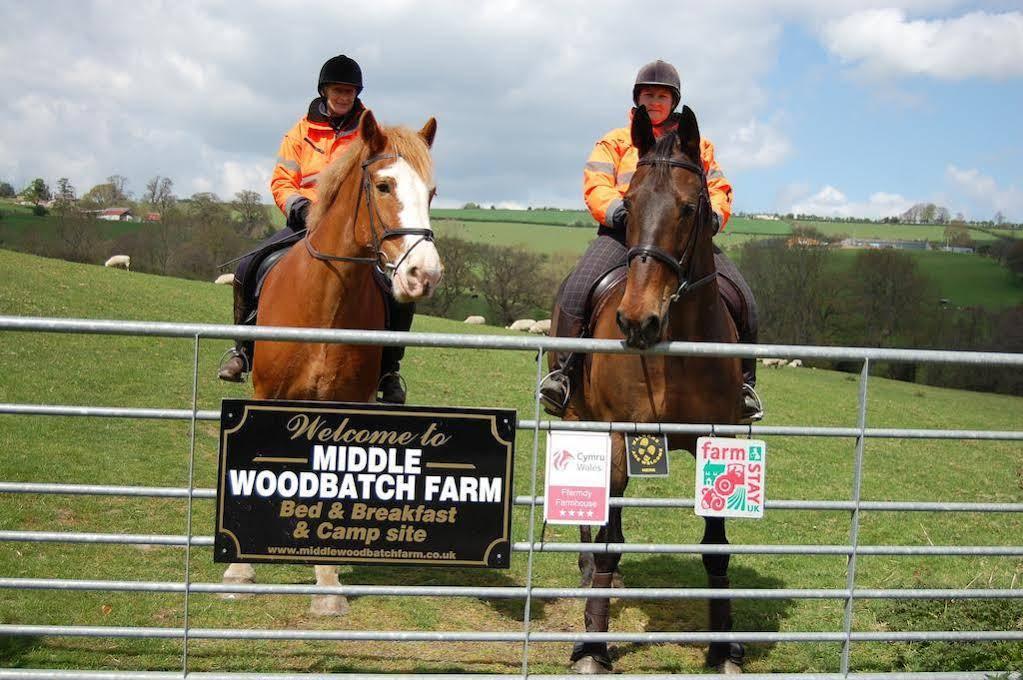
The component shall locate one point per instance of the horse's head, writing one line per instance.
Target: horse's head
(668, 214)
(391, 204)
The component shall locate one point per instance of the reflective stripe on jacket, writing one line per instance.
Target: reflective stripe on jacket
(307, 150)
(612, 163)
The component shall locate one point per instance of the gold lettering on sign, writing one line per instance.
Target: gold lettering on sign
(315, 429)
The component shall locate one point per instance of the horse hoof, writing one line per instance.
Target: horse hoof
(728, 667)
(329, 605)
(589, 665)
(235, 574)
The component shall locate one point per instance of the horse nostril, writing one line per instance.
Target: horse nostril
(413, 272)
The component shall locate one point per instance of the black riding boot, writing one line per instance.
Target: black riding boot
(238, 360)
(391, 389)
(556, 387)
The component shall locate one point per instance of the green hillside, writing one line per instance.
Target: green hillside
(157, 373)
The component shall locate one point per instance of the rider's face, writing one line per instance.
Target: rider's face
(340, 98)
(657, 101)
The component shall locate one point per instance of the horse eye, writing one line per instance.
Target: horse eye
(383, 187)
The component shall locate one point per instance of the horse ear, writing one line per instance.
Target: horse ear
(689, 133)
(642, 131)
(371, 134)
(429, 131)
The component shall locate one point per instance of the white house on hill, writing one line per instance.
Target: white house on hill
(115, 214)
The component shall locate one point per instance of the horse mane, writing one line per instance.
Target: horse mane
(400, 140)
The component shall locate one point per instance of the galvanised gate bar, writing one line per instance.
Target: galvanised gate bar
(850, 550)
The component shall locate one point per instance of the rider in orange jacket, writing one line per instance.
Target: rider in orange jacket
(317, 139)
(606, 178)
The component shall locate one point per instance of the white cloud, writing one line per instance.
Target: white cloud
(756, 144)
(831, 202)
(985, 195)
(885, 43)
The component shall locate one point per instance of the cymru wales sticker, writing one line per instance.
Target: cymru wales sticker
(730, 477)
(648, 455)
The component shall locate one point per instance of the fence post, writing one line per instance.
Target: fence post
(854, 529)
(532, 513)
(191, 490)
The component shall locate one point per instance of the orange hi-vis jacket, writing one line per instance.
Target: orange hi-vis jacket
(612, 163)
(307, 150)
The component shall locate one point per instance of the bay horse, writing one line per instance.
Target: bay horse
(372, 213)
(670, 293)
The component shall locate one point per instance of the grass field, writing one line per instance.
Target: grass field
(935, 233)
(140, 372)
(556, 217)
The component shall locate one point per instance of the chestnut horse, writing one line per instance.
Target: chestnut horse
(372, 212)
(670, 293)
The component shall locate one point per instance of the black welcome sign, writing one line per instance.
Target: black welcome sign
(334, 483)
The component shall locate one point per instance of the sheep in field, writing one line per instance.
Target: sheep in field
(225, 279)
(475, 320)
(542, 327)
(120, 261)
(522, 325)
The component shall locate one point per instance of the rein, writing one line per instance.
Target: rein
(658, 253)
(378, 259)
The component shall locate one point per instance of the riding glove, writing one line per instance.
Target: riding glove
(620, 217)
(298, 213)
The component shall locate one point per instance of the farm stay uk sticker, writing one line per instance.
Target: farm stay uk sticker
(730, 477)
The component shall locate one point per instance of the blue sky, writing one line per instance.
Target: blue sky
(847, 107)
(867, 135)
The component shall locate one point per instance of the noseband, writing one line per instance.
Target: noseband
(378, 259)
(676, 265)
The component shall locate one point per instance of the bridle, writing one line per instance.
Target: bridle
(684, 262)
(378, 259)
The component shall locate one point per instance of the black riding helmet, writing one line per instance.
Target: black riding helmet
(662, 74)
(340, 69)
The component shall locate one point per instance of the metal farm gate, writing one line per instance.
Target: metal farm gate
(528, 544)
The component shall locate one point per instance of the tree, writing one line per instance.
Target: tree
(511, 280)
(105, 195)
(250, 215)
(6, 190)
(460, 258)
(77, 234)
(1014, 258)
(956, 234)
(999, 218)
(37, 191)
(159, 194)
(891, 297)
(120, 186)
(797, 295)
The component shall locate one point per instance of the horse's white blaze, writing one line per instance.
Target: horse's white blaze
(420, 270)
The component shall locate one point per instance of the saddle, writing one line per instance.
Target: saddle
(267, 259)
(601, 293)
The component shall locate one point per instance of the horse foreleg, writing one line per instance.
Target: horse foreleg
(585, 561)
(725, 656)
(328, 605)
(593, 657)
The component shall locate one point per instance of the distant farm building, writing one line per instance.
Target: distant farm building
(152, 217)
(882, 244)
(115, 214)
